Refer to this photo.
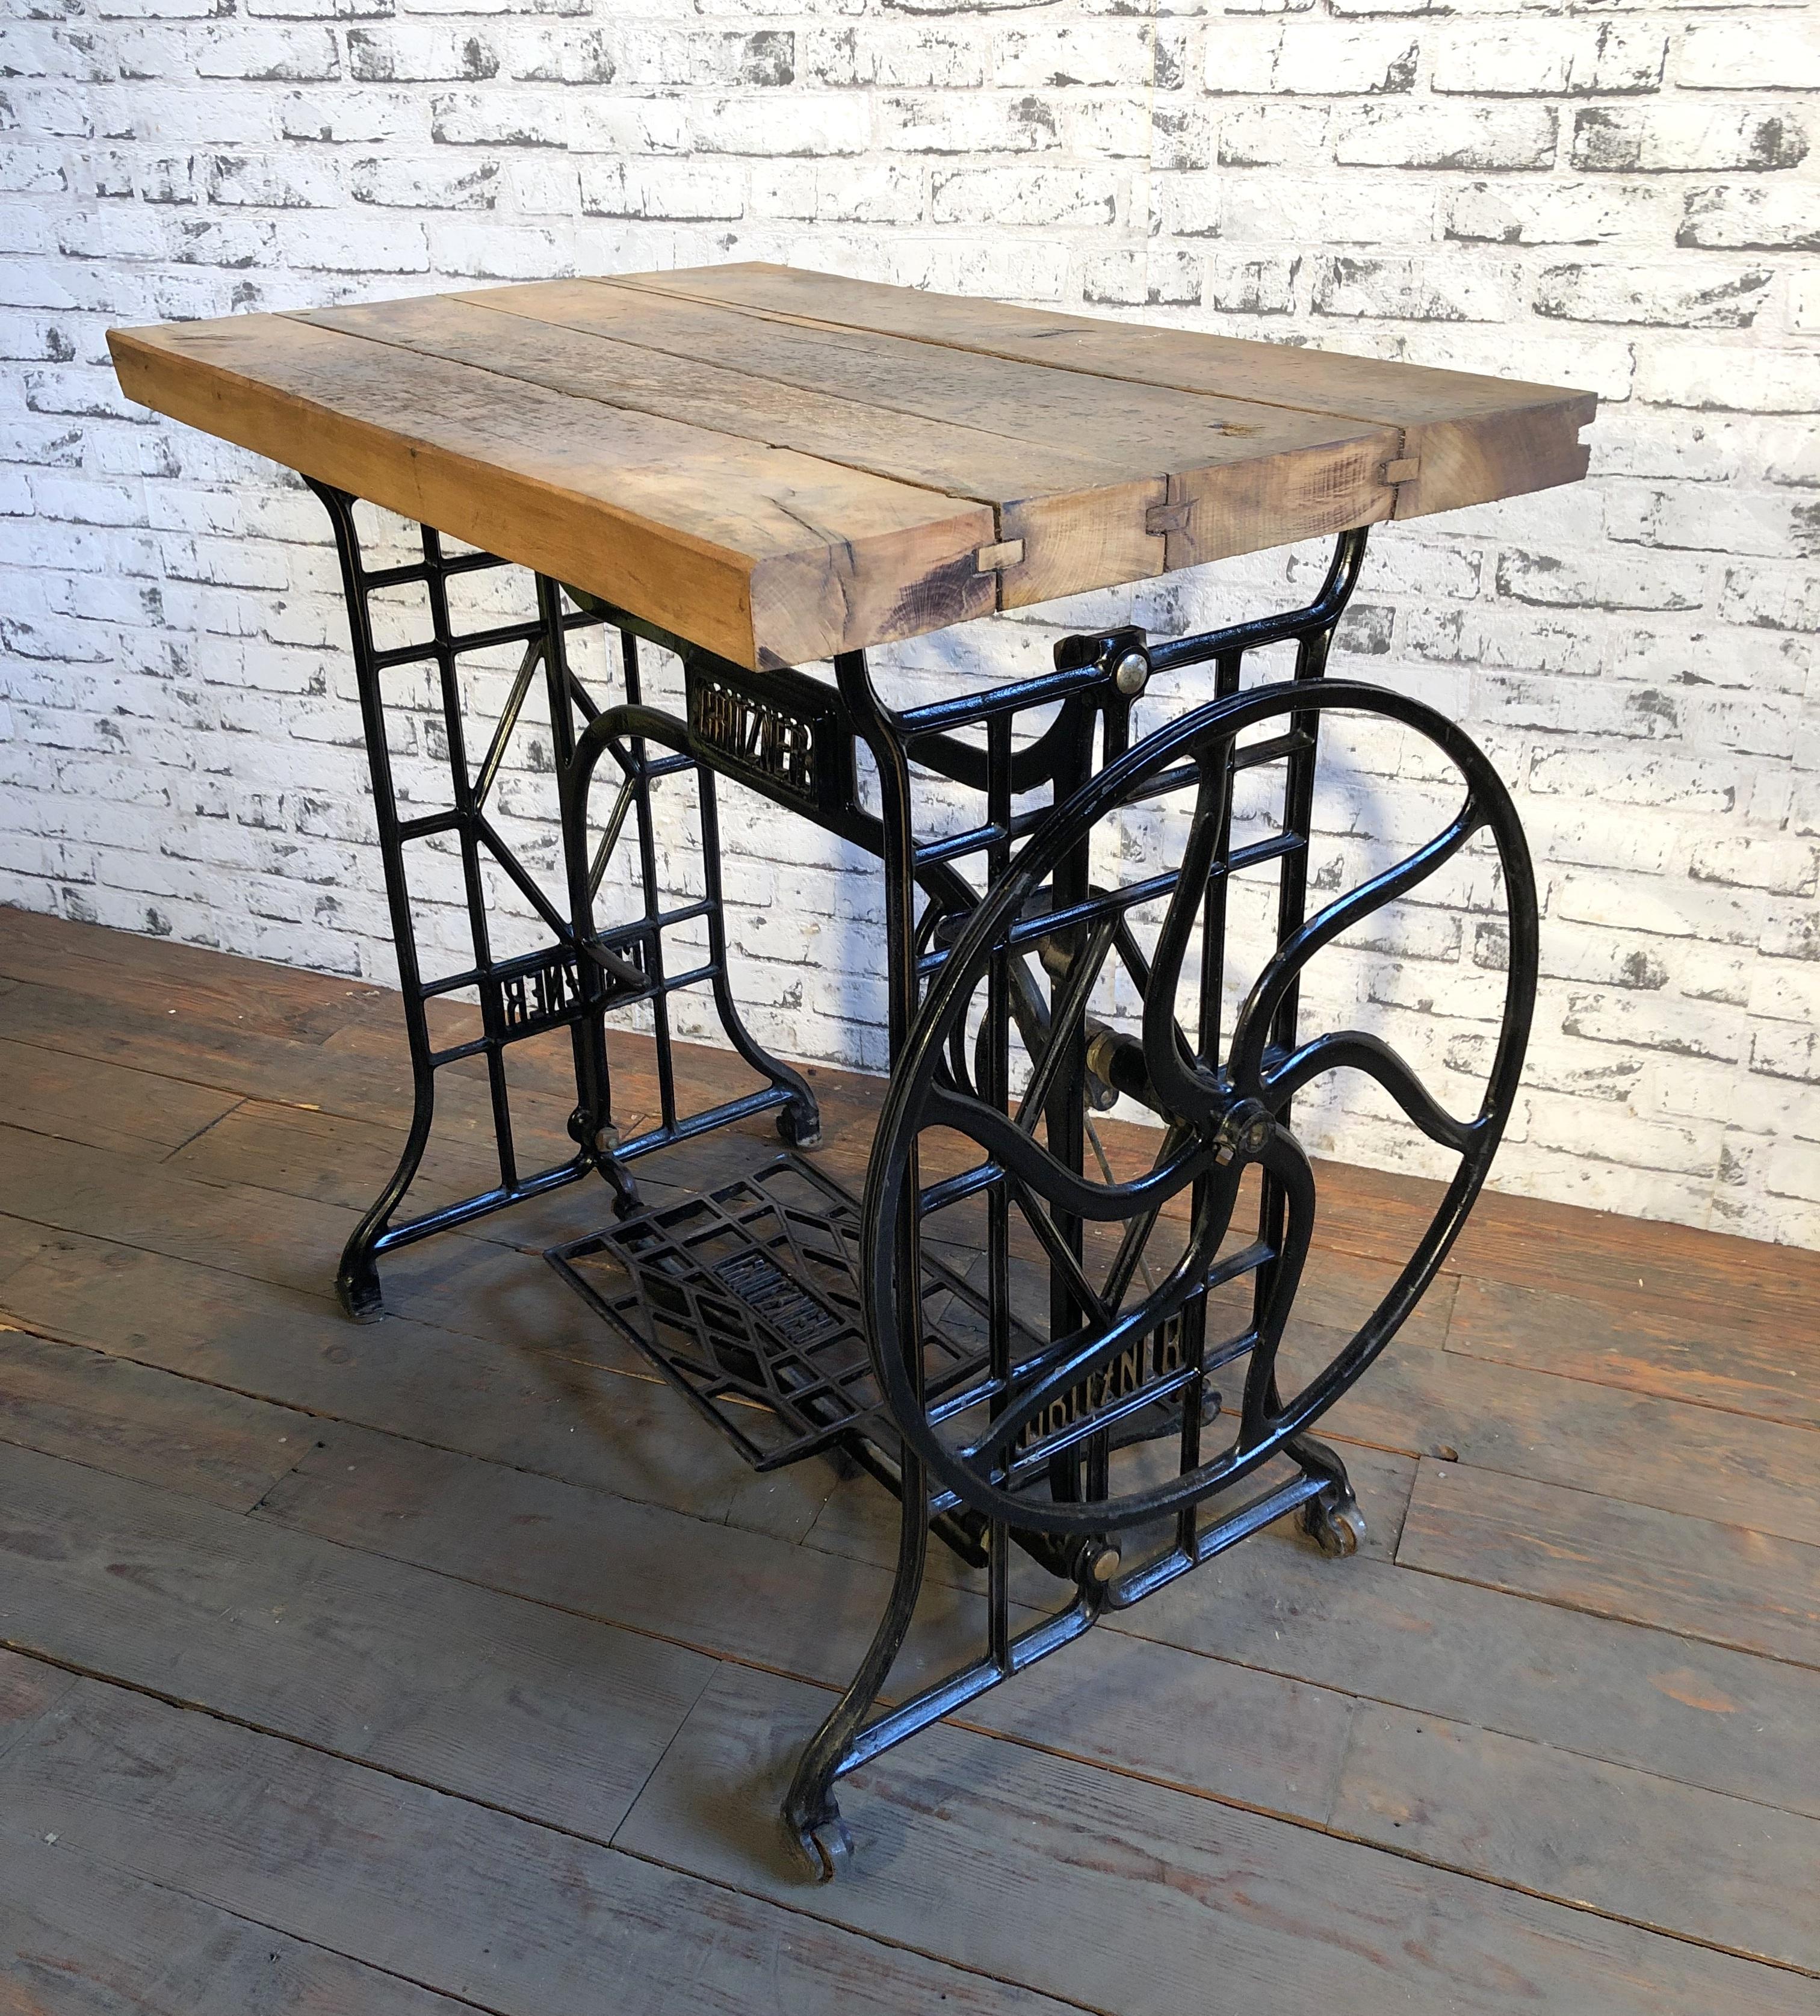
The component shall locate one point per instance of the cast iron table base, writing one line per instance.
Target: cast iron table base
(1020, 1344)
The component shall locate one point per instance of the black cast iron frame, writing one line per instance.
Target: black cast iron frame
(794, 738)
(552, 987)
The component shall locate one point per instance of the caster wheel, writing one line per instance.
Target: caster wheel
(800, 1126)
(827, 1849)
(1336, 1530)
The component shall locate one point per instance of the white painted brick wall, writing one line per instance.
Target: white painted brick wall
(1626, 199)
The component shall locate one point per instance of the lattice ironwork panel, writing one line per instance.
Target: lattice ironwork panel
(748, 1297)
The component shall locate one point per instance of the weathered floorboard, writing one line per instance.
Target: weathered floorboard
(1731, 1873)
(1705, 1714)
(1116, 1893)
(133, 1113)
(117, 1416)
(1694, 1576)
(475, 1904)
(1738, 1354)
(582, 1409)
(78, 1938)
(500, 1700)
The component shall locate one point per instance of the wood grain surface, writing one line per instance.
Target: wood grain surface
(779, 464)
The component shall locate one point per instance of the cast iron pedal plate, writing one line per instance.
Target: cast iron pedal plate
(747, 1298)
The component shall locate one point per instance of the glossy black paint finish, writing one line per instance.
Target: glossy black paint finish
(563, 984)
(1076, 1421)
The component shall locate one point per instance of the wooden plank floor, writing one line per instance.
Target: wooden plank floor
(453, 1663)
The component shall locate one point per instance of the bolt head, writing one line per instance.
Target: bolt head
(1105, 1564)
(1131, 674)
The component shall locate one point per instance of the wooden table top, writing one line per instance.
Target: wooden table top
(779, 465)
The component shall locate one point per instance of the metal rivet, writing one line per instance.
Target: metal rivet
(1131, 674)
(1105, 1564)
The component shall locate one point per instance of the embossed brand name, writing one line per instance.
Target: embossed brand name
(548, 993)
(1151, 1358)
(778, 746)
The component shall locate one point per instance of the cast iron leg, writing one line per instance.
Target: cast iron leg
(810, 1812)
(357, 1279)
(557, 986)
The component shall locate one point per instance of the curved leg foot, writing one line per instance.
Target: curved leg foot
(1336, 1529)
(811, 1816)
(357, 1279)
(1332, 1520)
(357, 1284)
(825, 1846)
(799, 1123)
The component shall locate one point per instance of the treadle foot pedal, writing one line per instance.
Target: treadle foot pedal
(747, 1298)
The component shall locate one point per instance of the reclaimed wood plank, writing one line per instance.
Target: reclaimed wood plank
(1245, 475)
(332, 1159)
(115, 1416)
(28, 1688)
(1157, 1720)
(361, 1073)
(132, 1113)
(1255, 1739)
(1570, 1431)
(216, 1000)
(1736, 1875)
(1695, 1576)
(20, 1242)
(1117, 430)
(57, 1019)
(1557, 1248)
(293, 1239)
(1736, 1354)
(1113, 1892)
(202, 1585)
(78, 1938)
(564, 336)
(86, 1190)
(1087, 1708)
(479, 1905)
(721, 1589)
(538, 1711)
(481, 1694)
(1704, 1715)
(1475, 438)
(133, 967)
(1564, 1248)
(1556, 1429)
(763, 555)
(361, 1076)
(565, 1409)
(366, 1085)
